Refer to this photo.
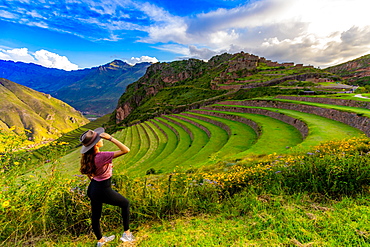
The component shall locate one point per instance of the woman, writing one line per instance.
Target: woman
(98, 167)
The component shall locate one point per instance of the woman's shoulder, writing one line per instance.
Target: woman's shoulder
(104, 157)
(105, 153)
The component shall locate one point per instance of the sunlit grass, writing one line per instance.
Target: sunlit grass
(275, 200)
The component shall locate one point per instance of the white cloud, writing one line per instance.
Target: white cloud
(165, 28)
(320, 51)
(202, 53)
(7, 15)
(135, 60)
(40, 57)
(318, 32)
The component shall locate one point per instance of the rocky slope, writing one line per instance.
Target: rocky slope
(356, 71)
(182, 85)
(37, 115)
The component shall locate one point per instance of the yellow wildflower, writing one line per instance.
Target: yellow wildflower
(6, 204)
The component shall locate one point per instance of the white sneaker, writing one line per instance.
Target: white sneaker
(106, 240)
(127, 237)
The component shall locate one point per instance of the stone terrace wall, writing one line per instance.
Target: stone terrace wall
(154, 133)
(170, 127)
(217, 123)
(160, 129)
(277, 81)
(187, 130)
(243, 120)
(144, 130)
(352, 119)
(195, 124)
(342, 102)
(296, 123)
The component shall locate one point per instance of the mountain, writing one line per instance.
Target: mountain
(91, 91)
(356, 71)
(39, 78)
(98, 92)
(42, 116)
(187, 84)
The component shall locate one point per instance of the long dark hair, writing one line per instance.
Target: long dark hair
(88, 163)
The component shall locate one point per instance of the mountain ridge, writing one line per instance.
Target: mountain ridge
(69, 86)
(37, 77)
(356, 71)
(98, 92)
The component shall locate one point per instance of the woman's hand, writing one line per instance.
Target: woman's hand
(123, 148)
(105, 136)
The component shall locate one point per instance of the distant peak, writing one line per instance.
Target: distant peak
(118, 62)
(114, 65)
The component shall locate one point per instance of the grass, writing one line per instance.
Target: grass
(348, 96)
(358, 110)
(242, 136)
(167, 149)
(153, 143)
(266, 75)
(268, 220)
(276, 133)
(320, 129)
(199, 140)
(184, 142)
(144, 146)
(135, 144)
(44, 118)
(162, 142)
(208, 154)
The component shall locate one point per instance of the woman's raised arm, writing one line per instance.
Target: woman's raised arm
(123, 148)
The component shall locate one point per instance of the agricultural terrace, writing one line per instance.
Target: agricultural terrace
(228, 130)
(242, 161)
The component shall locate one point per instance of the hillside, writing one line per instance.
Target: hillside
(356, 71)
(188, 84)
(98, 92)
(43, 116)
(91, 91)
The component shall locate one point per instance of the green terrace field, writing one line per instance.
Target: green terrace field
(230, 130)
(348, 96)
(270, 171)
(265, 73)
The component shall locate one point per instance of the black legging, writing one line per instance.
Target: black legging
(102, 192)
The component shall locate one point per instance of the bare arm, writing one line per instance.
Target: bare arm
(123, 148)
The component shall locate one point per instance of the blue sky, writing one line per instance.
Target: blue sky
(73, 34)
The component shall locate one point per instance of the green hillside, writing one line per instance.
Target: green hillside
(355, 71)
(182, 85)
(37, 115)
